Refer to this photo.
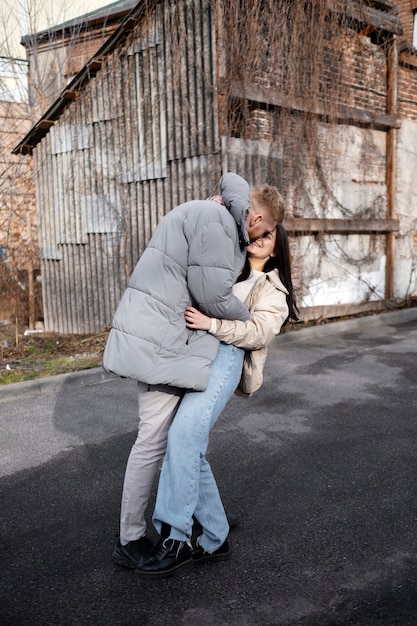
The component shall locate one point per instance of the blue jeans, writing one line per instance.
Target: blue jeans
(187, 486)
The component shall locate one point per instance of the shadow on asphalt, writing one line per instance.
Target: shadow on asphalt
(320, 467)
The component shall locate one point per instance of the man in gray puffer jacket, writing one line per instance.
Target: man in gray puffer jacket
(193, 258)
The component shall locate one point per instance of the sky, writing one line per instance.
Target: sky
(21, 17)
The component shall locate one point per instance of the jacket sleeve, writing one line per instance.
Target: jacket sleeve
(267, 316)
(212, 272)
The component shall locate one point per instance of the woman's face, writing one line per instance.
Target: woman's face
(263, 247)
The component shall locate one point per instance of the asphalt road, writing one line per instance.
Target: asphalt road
(320, 465)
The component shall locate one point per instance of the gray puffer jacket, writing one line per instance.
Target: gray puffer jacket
(193, 258)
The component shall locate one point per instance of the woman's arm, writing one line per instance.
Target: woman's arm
(267, 316)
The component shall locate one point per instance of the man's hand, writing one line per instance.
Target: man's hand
(196, 320)
(217, 199)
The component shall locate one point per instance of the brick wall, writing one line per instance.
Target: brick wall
(407, 92)
(54, 61)
(364, 74)
(82, 48)
(406, 8)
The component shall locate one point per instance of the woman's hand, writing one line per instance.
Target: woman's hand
(196, 320)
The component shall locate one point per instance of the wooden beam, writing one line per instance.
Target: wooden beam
(24, 148)
(386, 122)
(385, 5)
(45, 124)
(362, 116)
(129, 23)
(386, 22)
(95, 65)
(299, 226)
(391, 171)
(69, 94)
(344, 115)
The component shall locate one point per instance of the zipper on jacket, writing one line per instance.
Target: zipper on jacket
(189, 337)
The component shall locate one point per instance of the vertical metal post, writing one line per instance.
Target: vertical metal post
(392, 109)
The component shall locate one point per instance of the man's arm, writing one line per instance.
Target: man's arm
(212, 273)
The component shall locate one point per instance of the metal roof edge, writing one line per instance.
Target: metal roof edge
(109, 12)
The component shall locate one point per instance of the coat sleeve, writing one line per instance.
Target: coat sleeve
(212, 272)
(267, 316)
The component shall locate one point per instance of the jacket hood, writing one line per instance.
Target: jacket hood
(235, 193)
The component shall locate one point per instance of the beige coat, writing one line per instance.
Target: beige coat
(268, 309)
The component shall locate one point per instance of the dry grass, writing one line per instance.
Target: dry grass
(26, 357)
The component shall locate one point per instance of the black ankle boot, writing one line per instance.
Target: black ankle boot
(168, 556)
(133, 554)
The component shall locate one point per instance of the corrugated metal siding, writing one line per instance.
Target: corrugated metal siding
(138, 140)
(257, 161)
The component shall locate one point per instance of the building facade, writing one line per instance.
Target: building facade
(316, 97)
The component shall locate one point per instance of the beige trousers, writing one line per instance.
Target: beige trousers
(157, 407)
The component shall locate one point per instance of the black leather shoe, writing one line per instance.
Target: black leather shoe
(169, 555)
(133, 554)
(221, 554)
